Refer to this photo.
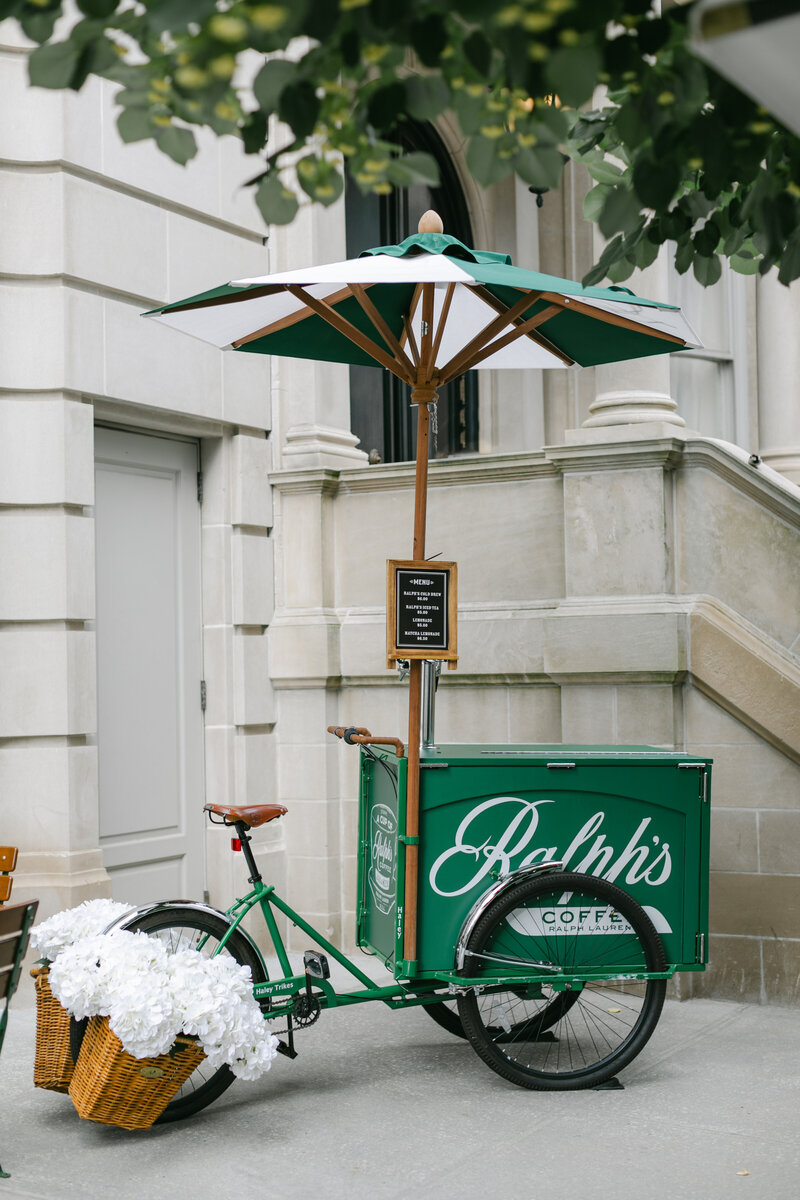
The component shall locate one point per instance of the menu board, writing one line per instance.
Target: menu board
(421, 610)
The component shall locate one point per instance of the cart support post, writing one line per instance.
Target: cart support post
(423, 394)
(430, 677)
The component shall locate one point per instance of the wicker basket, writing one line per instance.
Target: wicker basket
(111, 1086)
(52, 1063)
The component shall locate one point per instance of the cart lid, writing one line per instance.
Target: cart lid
(538, 754)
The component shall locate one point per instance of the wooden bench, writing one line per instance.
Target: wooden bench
(8, 860)
(15, 926)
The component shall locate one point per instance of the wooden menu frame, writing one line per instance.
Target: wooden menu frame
(421, 611)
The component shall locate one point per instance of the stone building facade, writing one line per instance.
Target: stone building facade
(627, 572)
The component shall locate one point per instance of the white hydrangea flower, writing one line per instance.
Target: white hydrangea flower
(150, 996)
(63, 929)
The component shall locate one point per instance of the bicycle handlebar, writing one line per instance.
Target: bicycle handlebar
(354, 735)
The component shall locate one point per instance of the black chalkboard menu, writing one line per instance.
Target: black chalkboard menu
(421, 610)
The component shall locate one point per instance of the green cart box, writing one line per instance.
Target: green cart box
(635, 815)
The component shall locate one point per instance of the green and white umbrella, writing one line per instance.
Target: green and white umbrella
(428, 310)
(483, 312)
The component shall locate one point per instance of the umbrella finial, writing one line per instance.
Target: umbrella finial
(430, 222)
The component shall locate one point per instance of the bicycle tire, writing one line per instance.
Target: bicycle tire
(183, 928)
(547, 1039)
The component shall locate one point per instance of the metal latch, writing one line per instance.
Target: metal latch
(703, 777)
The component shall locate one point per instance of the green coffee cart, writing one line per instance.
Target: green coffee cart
(506, 914)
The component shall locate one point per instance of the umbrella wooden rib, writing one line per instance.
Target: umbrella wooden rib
(461, 362)
(524, 330)
(545, 343)
(567, 303)
(360, 293)
(286, 322)
(443, 315)
(237, 297)
(399, 367)
(408, 322)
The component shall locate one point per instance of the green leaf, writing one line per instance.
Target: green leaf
(555, 121)
(270, 81)
(645, 253)
(594, 200)
(675, 223)
(55, 65)
(277, 204)
(414, 168)
(469, 110)
(572, 72)
(299, 107)
(790, 260)
(426, 96)
(429, 38)
(602, 169)
(177, 143)
(484, 162)
(684, 257)
(614, 251)
(176, 15)
(134, 125)
(39, 25)
(254, 132)
(386, 105)
(653, 34)
(97, 8)
(745, 264)
(319, 179)
(618, 272)
(697, 205)
(655, 182)
(478, 52)
(540, 166)
(706, 239)
(630, 124)
(707, 270)
(620, 212)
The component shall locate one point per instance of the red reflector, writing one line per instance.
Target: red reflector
(236, 843)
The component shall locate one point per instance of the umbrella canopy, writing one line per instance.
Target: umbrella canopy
(485, 312)
(428, 310)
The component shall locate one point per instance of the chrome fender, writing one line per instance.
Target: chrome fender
(134, 913)
(496, 890)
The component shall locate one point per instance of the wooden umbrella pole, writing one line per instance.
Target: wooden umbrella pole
(422, 395)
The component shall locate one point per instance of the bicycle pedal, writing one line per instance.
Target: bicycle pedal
(316, 965)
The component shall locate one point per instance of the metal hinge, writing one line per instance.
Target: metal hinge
(203, 695)
(199, 487)
(703, 777)
(700, 948)
(560, 766)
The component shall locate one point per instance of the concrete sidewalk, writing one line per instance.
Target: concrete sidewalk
(386, 1105)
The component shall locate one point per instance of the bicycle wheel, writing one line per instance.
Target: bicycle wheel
(189, 929)
(562, 1033)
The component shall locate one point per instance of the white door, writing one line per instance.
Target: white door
(149, 665)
